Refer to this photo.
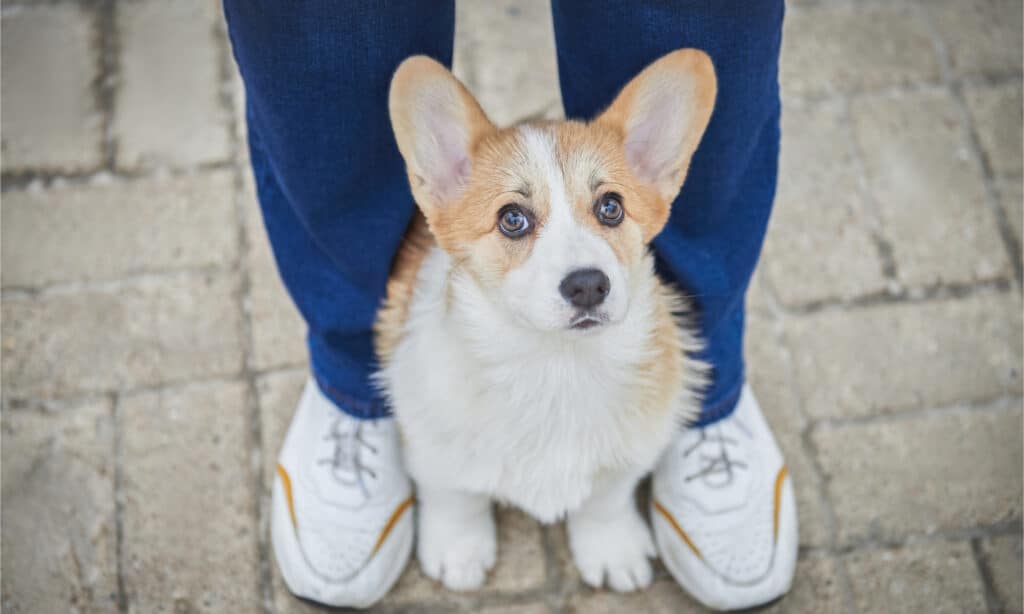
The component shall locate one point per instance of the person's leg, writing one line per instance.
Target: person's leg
(331, 184)
(713, 238)
(723, 512)
(336, 203)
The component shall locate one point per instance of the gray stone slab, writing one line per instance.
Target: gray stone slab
(147, 332)
(51, 120)
(949, 472)
(112, 228)
(843, 48)
(933, 578)
(505, 53)
(996, 112)
(189, 516)
(1003, 558)
(58, 525)
(905, 356)
(168, 108)
(929, 189)
(982, 36)
(819, 244)
(278, 396)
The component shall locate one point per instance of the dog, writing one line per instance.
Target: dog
(529, 351)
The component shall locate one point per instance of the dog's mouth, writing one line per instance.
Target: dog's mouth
(586, 321)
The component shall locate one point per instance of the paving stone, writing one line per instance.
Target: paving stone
(1003, 556)
(278, 330)
(525, 608)
(819, 245)
(189, 521)
(168, 109)
(924, 474)
(815, 589)
(143, 333)
(112, 228)
(997, 120)
(893, 357)
(521, 565)
(845, 48)
(1011, 196)
(768, 365)
(50, 119)
(929, 189)
(929, 578)
(59, 535)
(518, 36)
(662, 597)
(982, 36)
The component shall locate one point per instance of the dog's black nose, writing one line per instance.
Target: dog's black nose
(585, 288)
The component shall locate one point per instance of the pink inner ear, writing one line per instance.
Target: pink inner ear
(654, 140)
(446, 159)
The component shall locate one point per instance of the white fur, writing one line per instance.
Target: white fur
(562, 246)
(499, 400)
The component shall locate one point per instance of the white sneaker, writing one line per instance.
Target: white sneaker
(724, 513)
(341, 520)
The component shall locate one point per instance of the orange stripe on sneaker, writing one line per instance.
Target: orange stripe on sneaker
(675, 525)
(287, 483)
(391, 523)
(778, 495)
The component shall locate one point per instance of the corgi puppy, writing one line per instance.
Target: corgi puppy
(529, 352)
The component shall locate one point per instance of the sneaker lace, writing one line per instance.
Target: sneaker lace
(714, 459)
(346, 461)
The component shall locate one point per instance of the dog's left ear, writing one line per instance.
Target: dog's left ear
(662, 114)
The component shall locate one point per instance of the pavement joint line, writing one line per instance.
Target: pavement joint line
(46, 179)
(107, 44)
(61, 403)
(116, 284)
(992, 600)
(119, 502)
(872, 209)
(1003, 404)
(905, 296)
(1001, 528)
(899, 90)
(1011, 244)
(255, 451)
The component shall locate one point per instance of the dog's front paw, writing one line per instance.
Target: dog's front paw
(618, 550)
(457, 551)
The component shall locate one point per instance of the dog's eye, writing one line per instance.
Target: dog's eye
(609, 210)
(513, 221)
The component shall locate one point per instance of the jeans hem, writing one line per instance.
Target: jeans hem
(355, 407)
(721, 409)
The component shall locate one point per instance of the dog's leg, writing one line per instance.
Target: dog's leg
(457, 543)
(610, 540)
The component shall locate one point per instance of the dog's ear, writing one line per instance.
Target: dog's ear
(661, 115)
(436, 122)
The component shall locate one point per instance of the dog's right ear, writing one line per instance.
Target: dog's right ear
(436, 122)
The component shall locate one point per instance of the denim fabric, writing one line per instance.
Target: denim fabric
(334, 194)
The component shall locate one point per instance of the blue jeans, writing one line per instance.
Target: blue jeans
(334, 193)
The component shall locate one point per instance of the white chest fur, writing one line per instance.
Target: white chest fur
(530, 419)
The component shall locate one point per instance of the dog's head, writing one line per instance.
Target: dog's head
(552, 219)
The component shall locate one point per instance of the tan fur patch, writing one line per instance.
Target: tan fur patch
(391, 318)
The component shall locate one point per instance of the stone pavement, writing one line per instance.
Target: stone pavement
(151, 358)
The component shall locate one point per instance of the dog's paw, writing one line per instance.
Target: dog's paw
(457, 552)
(616, 551)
